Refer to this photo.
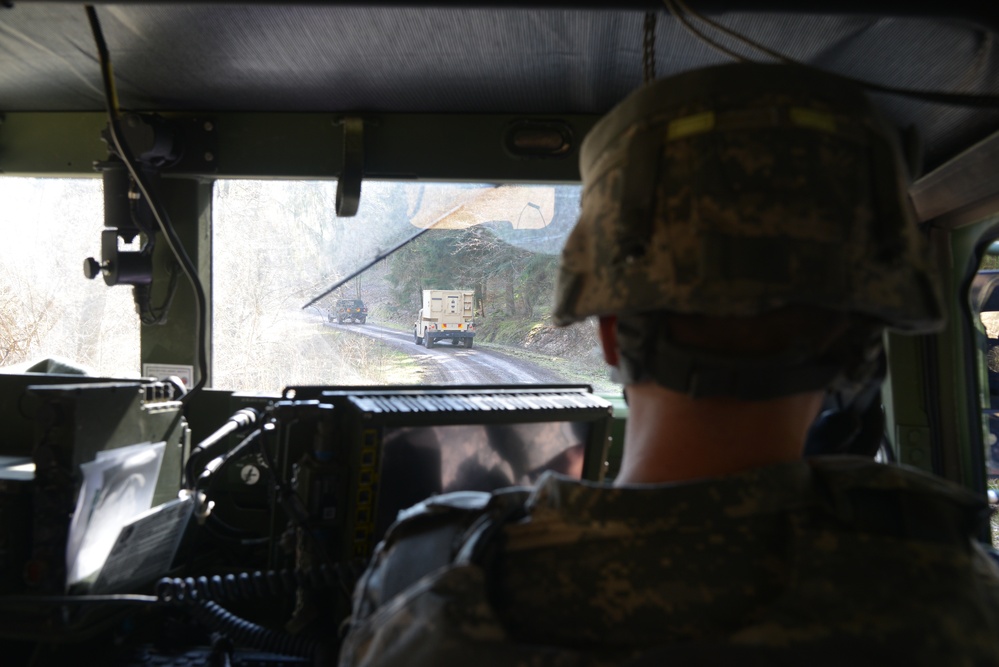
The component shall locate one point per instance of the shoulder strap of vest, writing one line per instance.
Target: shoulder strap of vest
(912, 506)
(426, 538)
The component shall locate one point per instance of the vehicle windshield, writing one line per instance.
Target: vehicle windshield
(277, 322)
(282, 296)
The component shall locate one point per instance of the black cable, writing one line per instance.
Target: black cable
(238, 421)
(256, 585)
(149, 314)
(678, 8)
(292, 503)
(689, 27)
(260, 584)
(675, 7)
(203, 479)
(287, 497)
(162, 219)
(107, 74)
(137, 221)
(247, 633)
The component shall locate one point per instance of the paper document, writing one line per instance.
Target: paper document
(145, 548)
(117, 487)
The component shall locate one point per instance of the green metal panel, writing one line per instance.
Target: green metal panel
(189, 205)
(904, 390)
(431, 147)
(51, 144)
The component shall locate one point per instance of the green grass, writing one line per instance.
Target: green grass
(506, 330)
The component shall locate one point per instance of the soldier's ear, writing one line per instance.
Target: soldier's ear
(608, 339)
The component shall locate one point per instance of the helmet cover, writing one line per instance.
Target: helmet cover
(741, 189)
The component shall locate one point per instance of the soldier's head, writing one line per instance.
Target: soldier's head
(748, 228)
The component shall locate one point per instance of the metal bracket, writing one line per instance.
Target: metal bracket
(200, 143)
(188, 145)
(348, 187)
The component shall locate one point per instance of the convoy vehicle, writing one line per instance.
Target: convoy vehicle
(349, 310)
(227, 147)
(446, 315)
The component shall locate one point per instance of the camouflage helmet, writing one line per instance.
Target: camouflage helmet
(741, 189)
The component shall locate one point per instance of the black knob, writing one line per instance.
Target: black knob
(91, 268)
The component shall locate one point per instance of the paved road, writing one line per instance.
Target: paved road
(452, 364)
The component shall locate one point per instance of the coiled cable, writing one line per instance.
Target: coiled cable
(245, 585)
(247, 633)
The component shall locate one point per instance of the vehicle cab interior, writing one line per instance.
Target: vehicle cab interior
(202, 463)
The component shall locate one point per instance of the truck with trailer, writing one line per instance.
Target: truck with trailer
(446, 315)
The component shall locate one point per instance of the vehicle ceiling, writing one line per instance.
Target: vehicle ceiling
(547, 60)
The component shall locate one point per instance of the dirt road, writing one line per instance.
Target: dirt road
(449, 364)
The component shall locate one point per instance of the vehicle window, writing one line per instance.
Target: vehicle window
(984, 296)
(489, 253)
(48, 309)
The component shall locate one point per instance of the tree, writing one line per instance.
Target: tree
(475, 257)
(47, 307)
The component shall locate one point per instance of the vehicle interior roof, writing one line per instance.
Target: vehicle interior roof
(319, 57)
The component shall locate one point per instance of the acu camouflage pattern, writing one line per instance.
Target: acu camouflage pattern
(828, 561)
(740, 189)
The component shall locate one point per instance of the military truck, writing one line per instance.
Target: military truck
(349, 310)
(446, 315)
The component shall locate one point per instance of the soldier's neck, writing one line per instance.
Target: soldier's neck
(672, 437)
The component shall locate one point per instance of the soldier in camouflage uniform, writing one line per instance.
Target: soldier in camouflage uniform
(745, 237)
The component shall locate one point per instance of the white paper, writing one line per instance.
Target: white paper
(117, 487)
(145, 548)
